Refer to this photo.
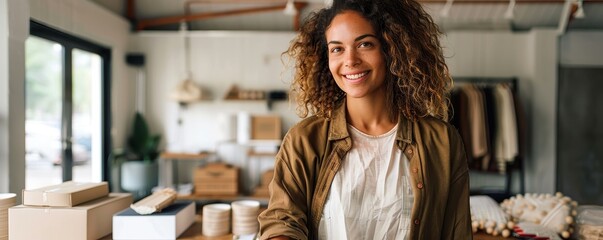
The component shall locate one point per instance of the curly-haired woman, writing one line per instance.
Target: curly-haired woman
(376, 159)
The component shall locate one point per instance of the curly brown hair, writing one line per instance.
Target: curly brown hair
(418, 79)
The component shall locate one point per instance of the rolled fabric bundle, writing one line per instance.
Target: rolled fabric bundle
(555, 212)
(488, 216)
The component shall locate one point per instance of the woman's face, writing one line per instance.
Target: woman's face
(355, 57)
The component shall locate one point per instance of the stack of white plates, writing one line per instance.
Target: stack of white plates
(245, 217)
(216, 219)
(7, 200)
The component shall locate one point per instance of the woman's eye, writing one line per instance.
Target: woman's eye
(335, 49)
(366, 44)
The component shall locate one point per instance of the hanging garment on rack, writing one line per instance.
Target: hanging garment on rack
(486, 117)
(460, 119)
(505, 142)
(477, 125)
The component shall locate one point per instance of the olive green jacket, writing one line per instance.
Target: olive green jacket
(312, 152)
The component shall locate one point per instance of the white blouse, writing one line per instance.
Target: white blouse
(371, 196)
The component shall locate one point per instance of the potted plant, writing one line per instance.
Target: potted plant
(138, 161)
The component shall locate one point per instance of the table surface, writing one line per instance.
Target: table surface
(194, 232)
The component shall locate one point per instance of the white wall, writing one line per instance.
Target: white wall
(581, 48)
(14, 29)
(80, 18)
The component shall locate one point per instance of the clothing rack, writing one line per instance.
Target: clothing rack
(517, 163)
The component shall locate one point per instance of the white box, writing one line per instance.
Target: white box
(167, 224)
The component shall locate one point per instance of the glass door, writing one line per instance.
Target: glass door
(43, 111)
(66, 109)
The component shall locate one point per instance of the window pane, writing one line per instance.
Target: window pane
(86, 116)
(43, 96)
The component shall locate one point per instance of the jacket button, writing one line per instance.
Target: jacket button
(409, 151)
(420, 185)
(415, 170)
(416, 221)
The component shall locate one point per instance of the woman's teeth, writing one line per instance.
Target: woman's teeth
(355, 76)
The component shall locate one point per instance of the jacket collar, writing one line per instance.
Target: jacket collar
(338, 128)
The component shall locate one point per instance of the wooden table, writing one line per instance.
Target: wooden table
(195, 232)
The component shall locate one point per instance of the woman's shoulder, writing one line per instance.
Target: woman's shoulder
(308, 126)
(432, 121)
(435, 124)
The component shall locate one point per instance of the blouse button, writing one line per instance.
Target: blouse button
(420, 185)
(416, 221)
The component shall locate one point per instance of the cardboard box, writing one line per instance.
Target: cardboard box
(265, 127)
(216, 179)
(90, 220)
(167, 224)
(67, 194)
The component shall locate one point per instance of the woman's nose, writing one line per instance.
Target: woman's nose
(351, 59)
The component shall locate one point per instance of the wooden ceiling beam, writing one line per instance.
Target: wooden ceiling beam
(142, 24)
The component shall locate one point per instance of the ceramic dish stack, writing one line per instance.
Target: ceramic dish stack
(7, 200)
(245, 217)
(216, 219)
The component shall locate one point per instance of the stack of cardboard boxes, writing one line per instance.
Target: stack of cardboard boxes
(216, 179)
(66, 211)
(7, 200)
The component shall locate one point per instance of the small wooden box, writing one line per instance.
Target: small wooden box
(262, 189)
(265, 127)
(267, 177)
(216, 179)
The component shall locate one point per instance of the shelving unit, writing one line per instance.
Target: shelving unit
(173, 159)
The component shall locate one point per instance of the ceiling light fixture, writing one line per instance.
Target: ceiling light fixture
(446, 9)
(328, 3)
(580, 10)
(510, 9)
(290, 8)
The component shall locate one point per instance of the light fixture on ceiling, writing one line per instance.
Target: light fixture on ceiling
(328, 3)
(290, 8)
(580, 10)
(510, 9)
(446, 9)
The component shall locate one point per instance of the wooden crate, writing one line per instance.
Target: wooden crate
(267, 177)
(265, 127)
(262, 189)
(216, 179)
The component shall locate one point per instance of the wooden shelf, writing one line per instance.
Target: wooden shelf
(185, 156)
(252, 153)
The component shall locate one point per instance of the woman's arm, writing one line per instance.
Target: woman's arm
(457, 216)
(287, 214)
